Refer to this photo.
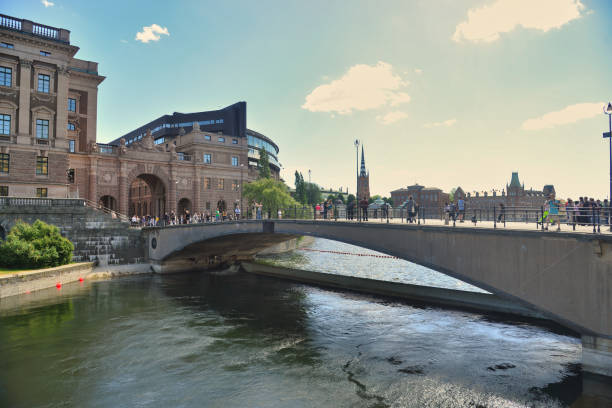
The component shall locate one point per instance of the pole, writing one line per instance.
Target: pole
(610, 144)
(241, 183)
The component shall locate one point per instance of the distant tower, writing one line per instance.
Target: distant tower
(363, 182)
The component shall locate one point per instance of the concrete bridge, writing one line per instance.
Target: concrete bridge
(566, 276)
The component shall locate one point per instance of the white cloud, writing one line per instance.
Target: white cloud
(502, 16)
(363, 87)
(569, 114)
(446, 123)
(47, 3)
(151, 33)
(418, 71)
(123, 41)
(391, 117)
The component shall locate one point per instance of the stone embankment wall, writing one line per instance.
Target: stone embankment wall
(96, 236)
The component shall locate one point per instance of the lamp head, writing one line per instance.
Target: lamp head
(608, 109)
(356, 142)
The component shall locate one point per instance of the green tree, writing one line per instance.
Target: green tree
(264, 165)
(272, 194)
(388, 200)
(341, 198)
(451, 195)
(38, 245)
(313, 193)
(350, 199)
(331, 197)
(300, 188)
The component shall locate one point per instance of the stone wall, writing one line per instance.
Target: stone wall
(96, 235)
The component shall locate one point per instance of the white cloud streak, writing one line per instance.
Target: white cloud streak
(47, 3)
(391, 117)
(362, 87)
(486, 23)
(565, 116)
(446, 123)
(151, 33)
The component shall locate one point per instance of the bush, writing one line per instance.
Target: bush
(35, 246)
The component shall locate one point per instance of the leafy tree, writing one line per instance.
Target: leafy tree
(331, 197)
(313, 193)
(451, 195)
(350, 198)
(35, 246)
(272, 194)
(388, 200)
(341, 198)
(300, 188)
(264, 165)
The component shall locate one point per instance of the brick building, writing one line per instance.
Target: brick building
(363, 180)
(425, 197)
(48, 144)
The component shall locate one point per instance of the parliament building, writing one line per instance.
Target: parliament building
(48, 147)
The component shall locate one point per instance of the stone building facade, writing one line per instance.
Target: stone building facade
(48, 145)
(425, 197)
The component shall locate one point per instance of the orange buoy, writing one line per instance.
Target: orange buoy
(58, 285)
(80, 279)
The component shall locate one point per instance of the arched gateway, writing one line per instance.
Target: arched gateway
(147, 196)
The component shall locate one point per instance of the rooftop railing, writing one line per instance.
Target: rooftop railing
(39, 30)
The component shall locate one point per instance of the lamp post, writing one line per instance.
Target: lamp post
(357, 180)
(608, 111)
(241, 178)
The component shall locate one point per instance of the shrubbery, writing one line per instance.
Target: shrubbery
(35, 246)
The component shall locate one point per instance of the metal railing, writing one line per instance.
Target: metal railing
(111, 212)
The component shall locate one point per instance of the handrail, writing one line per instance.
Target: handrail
(106, 210)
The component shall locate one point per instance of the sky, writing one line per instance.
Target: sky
(443, 93)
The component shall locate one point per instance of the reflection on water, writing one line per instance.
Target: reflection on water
(240, 340)
(337, 261)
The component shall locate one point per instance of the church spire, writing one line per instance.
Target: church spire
(362, 172)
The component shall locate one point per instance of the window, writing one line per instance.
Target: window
(234, 160)
(4, 162)
(42, 129)
(235, 185)
(207, 158)
(42, 166)
(207, 137)
(208, 205)
(234, 141)
(71, 105)
(220, 184)
(71, 126)
(71, 146)
(6, 76)
(41, 192)
(43, 83)
(6, 45)
(45, 53)
(159, 140)
(5, 124)
(207, 183)
(3, 191)
(70, 175)
(221, 140)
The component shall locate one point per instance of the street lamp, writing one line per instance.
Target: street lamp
(357, 185)
(241, 183)
(608, 111)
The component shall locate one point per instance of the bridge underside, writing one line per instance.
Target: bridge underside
(217, 251)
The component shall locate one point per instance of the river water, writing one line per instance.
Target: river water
(239, 340)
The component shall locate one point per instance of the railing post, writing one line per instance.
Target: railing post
(494, 218)
(593, 218)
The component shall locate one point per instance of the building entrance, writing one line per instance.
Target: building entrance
(147, 196)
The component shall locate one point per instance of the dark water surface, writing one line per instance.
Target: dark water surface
(221, 340)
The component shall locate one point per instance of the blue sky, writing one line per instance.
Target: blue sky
(441, 92)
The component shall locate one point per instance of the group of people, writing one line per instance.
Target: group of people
(584, 211)
(186, 217)
(454, 211)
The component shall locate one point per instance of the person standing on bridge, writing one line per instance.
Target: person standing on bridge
(411, 208)
(461, 208)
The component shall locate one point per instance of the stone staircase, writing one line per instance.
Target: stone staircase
(96, 235)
